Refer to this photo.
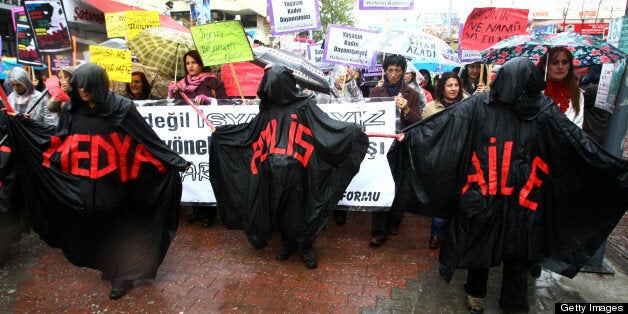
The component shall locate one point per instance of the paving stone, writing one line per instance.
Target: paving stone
(217, 270)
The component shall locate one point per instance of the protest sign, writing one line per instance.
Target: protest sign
(25, 39)
(315, 55)
(609, 85)
(288, 16)
(248, 76)
(342, 46)
(386, 4)
(136, 21)
(222, 42)
(48, 22)
(485, 27)
(116, 62)
(115, 23)
(186, 133)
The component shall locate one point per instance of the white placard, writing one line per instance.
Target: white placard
(186, 133)
(293, 16)
(342, 46)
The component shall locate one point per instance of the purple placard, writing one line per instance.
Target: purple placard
(315, 55)
(347, 40)
(294, 9)
(386, 4)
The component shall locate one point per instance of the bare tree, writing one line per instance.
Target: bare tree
(565, 5)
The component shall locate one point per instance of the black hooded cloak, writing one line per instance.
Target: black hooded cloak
(513, 175)
(107, 188)
(286, 169)
(12, 211)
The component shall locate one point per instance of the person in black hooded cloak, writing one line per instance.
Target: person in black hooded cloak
(519, 183)
(109, 189)
(286, 169)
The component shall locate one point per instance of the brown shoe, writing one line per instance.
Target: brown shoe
(475, 304)
(435, 242)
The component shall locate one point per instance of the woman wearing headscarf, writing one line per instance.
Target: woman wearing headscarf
(108, 188)
(519, 183)
(25, 99)
(562, 83)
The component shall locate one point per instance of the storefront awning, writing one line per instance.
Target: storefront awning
(108, 6)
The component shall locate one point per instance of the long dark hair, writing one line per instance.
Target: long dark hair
(194, 55)
(146, 88)
(570, 80)
(439, 92)
(428, 78)
(467, 85)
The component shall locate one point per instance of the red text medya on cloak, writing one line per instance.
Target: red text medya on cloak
(105, 154)
(476, 175)
(297, 141)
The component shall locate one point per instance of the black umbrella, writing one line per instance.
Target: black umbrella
(306, 73)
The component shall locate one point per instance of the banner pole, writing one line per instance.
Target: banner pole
(198, 111)
(73, 52)
(49, 66)
(235, 77)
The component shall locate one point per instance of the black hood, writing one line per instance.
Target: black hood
(519, 83)
(93, 79)
(279, 87)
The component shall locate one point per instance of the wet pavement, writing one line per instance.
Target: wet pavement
(217, 270)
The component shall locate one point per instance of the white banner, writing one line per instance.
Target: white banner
(293, 16)
(342, 46)
(185, 132)
(609, 85)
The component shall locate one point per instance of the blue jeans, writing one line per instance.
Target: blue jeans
(438, 227)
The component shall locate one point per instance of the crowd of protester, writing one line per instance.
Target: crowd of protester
(416, 95)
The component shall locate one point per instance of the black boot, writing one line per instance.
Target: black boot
(195, 215)
(209, 215)
(4, 258)
(309, 258)
(119, 288)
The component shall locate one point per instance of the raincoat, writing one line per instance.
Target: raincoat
(513, 175)
(287, 168)
(108, 189)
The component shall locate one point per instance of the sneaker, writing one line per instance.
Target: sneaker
(475, 304)
(309, 259)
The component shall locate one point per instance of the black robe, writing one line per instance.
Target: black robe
(515, 178)
(104, 188)
(12, 211)
(287, 168)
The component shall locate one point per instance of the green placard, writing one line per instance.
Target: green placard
(222, 42)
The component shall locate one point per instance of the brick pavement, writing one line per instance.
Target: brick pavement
(217, 270)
